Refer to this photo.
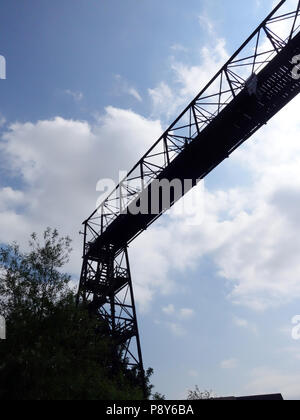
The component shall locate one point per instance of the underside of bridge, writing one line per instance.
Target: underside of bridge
(253, 86)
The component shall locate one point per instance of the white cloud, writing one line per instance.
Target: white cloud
(243, 323)
(77, 96)
(250, 232)
(229, 364)
(10, 199)
(262, 254)
(178, 48)
(163, 100)
(176, 329)
(186, 313)
(2, 120)
(182, 314)
(179, 316)
(258, 3)
(123, 87)
(192, 79)
(133, 92)
(291, 351)
(167, 100)
(206, 24)
(265, 380)
(286, 330)
(60, 162)
(169, 310)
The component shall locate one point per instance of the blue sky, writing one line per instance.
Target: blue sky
(90, 85)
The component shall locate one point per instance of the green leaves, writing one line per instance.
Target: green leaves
(52, 351)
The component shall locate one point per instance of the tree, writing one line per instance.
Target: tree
(158, 397)
(196, 394)
(52, 351)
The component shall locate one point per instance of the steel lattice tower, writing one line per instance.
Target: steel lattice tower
(106, 286)
(252, 87)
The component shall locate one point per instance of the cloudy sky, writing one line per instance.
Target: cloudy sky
(90, 86)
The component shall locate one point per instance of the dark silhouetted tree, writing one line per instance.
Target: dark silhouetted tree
(51, 351)
(196, 394)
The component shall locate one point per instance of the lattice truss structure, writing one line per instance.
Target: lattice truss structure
(263, 45)
(250, 88)
(110, 293)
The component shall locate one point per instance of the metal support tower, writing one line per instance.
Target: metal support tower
(106, 287)
(252, 87)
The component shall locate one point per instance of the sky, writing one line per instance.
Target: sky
(89, 86)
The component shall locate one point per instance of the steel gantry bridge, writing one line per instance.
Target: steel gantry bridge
(254, 85)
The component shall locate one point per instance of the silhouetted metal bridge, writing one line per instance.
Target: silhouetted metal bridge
(253, 86)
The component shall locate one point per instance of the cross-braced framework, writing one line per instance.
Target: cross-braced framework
(267, 41)
(253, 85)
(108, 291)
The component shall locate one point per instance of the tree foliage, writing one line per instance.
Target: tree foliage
(158, 397)
(196, 394)
(51, 351)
